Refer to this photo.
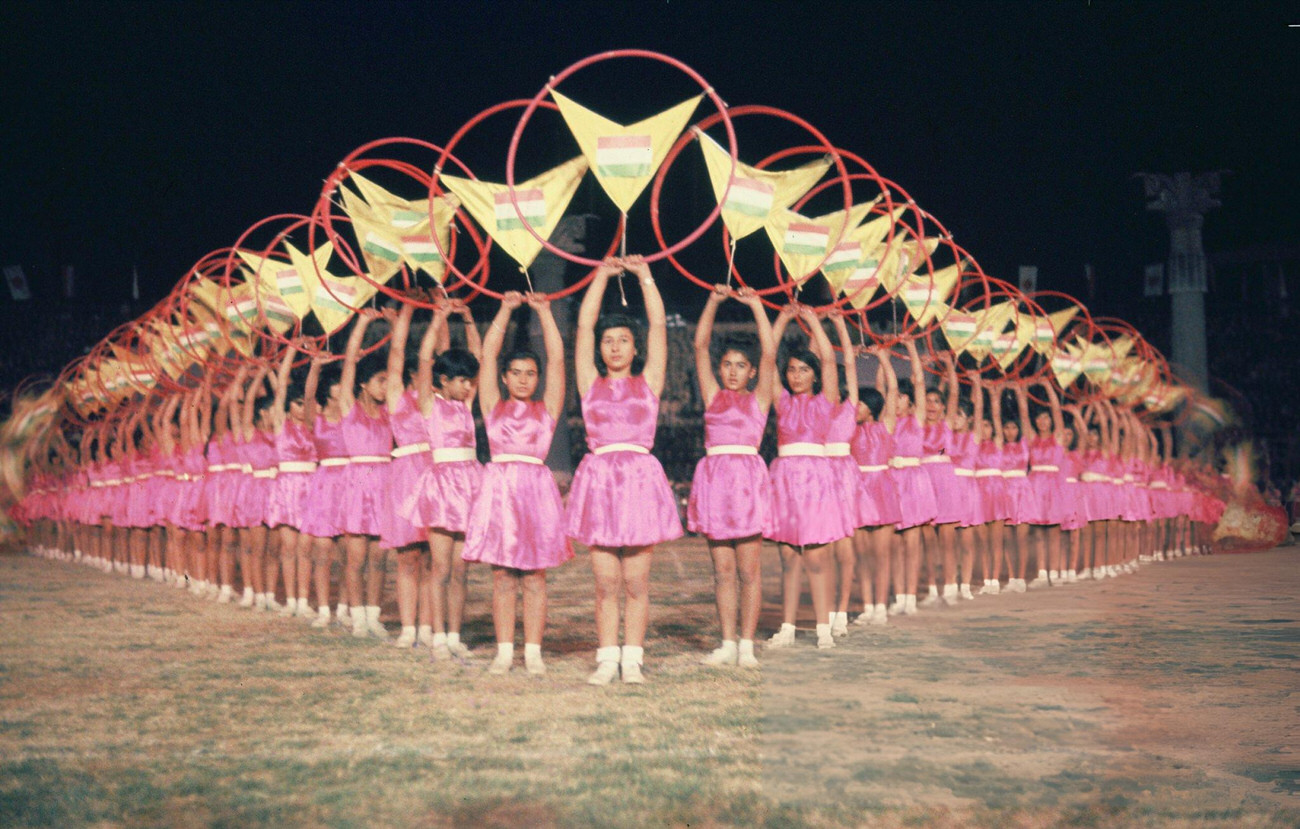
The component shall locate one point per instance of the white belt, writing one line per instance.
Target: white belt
(507, 457)
(987, 473)
(837, 450)
(1128, 479)
(369, 459)
(900, 463)
(222, 467)
(410, 449)
(1072, 480)
(963, 472)
(297, 466)
(1142, 484)
(246, 468)
(1159, 485)
(265, 473)
(335, 461)
(131, 480)
(1044, 467)
(814, 450)
(451, 454)
(621, 447)
(1093, 478)
(112, 482)
(185, 476)
(873, 468)
(1014, 473)
(731, 449)
(98, 484)
(936, 459)
(165, 473)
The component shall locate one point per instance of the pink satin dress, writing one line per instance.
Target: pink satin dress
(877, 499)
(1022, 505)
(839, 454)
(988, 478)
(321, 509)
(916, 497)
(964, 451)
(295, 454)
(259, 479)
(1047, 479)
(620, 496)
(1075, 516)
(517, 516)
(441, 497)
(369, 441)
(950, 506)
(411, 459)
(731, 493)
(808, 499)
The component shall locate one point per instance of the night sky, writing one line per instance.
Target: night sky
(150, 133)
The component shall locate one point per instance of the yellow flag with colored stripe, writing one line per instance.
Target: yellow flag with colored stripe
(925, 294)
(804, 244)
(391, 230)
(959, 327)
(1067, 364)
(542, 201)
(749, 194)
(624, 159)
(990, 323)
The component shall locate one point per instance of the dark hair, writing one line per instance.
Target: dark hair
(608, 321)
(964, 406)
(409, 365)
(742, 343)
(294, 392)
(943, 395)
(520, 354)
(262, 404)
(872, 399)
(453, 363)
(809, 359)
(368, 366)
(330, 375)
(906, 389)
(842, 377)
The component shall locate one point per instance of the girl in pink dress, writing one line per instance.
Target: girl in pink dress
(620, 503)
(807, 495)
(731, 493)
(1047, 480)
(991, 533)
(363, 390)
(259, 471)
(964, 448)
(295, 455)
(441, 498)
(877, 497)
(517, 518)
(916, 496)
(320, 515)
(1021, 505)
(940, 544)
(218, 495)
(839, 454)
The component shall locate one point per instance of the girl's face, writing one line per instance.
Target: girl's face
(960, 422)
(1011, 431)
(332, 396)
(903, 405)
(1043, 423)
(1069, 436)
(263, 422)
(296, 410)
(1093, 441)
(376, 387)
(933, 407)
(618, 349)
(864, 413)
(798, 376)
(986, 430)
(736, 371)
(520, 379)
(457, 388)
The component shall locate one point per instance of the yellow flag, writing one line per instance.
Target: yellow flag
(1120, 347)
(624, 159)
(381, 248)
(989, 323)
(285, 280)
(901, 258)
(862, 243)
(332, 307)
(542, 201)
(924, 294)
(1096, 362)
(1008, 346)
(1067, 364)
(750, 193)
(207, 292)
(803, 243)
(391, 229)
(959, 327)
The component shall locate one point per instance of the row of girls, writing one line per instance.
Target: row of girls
(871, 486)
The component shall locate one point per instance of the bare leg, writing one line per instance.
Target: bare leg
(791, 582)
(534, 583)
(724, 586)
(635, 563)
(322, 554)
(376, 572)
(846, 559)
(751, 584)
(505, 589)
(408, 579)
(608, 573)
(354, 551)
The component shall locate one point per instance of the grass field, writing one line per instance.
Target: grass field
(1130, 702)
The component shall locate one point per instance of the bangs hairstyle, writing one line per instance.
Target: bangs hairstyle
(809, 359)
(369, 366)
(295, 392)
(906, 389)
(521, 354)
(745, 344)
(965, 407)
(262, 404)
(453, 363)
(330, 375)
(609, 321)
(872, 399)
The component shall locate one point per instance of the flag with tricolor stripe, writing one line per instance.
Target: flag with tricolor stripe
(959, 328)
(806, 239)
(1066, 365)
(496, 215)
(289, 282)
(749, 195)
(862, 284)
(405, 219)
(277, 312)
(532, 207)
(624, 158)
(378, 245)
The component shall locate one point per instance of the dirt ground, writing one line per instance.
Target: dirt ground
(1167, 698)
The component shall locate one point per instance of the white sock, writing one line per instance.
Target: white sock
(323, 612)
(823, 632)
(610, 654)
(934, 591)
(786, 626)
(632, 655)
(746, 647)
(1042, 574)
(424, 633)
(439, 639)
(342, 611)
(408, 631)
(372, 613)
(291, 603)
(453, 639)
(505, 651)
(728, 645)
(532, 651)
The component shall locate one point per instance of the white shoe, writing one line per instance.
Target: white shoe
(879, 615)
(745, 657)
(723, 656)
(322, 621)
(950, 594)
(632, 673)
(377, 628)
(964, 592)
(604, 673)
(259, 602)
(305, 612)
(1037, 582)
(272, 605)
(501, 664)
(1072, 577)
(840, 624)
(995, 587)
(931, 600)
(909, 609)
(825, 640)
(534, 665)
(459, 649)
(359, 627)
(424, 636)
(864, 618)
(406, 640)
(248, 599)
(440, 653)
(783, 638)
(896, 609)
(225, 595)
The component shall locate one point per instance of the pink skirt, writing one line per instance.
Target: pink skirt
(916, 501)
(731, 497)
(1050, 505)
(1076, 515)
(440, 498)
(972, 501)
(808, 501)
(401, 477)
(517, 519)
(187, 510)
(949, 495)
(289, 493)
(254, 500)
(877, 499)
(1022, 505)
(621, 499)
(363, 500)
(320, 506)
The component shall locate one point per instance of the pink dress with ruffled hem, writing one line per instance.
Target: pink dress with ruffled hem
(731, 494)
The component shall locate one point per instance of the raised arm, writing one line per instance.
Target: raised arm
(584, 337)
(473, 342)
(703, 337)
(553, 395)
(310, 408)
(1022, 407)
(351, 354)
(850, 355)
(949, 364)
(1054, 401)
(765, 388)
(489, 369)
(918, 381)
(887, 385)
(821, 346)
(164, 434)
(977, 405)
(424, 360)
(255, 390)
(656, 338)
(280, 380)
(400, 325)
(995, 401)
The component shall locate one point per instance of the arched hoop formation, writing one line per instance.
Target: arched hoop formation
(552, 83)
